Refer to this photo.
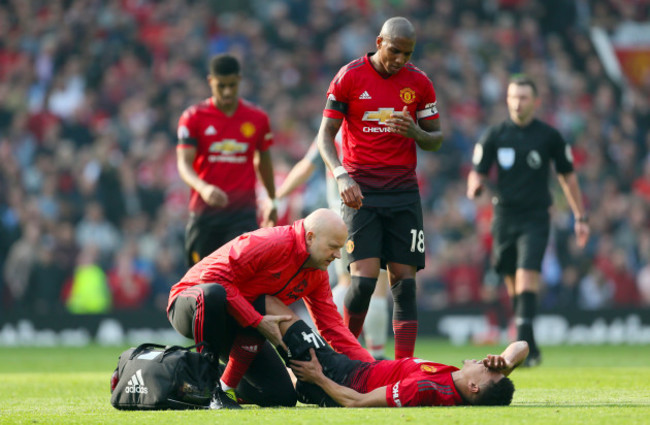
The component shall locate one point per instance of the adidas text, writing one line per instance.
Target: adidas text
(135, 389)
(136, 384)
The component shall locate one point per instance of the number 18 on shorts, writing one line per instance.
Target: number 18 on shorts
(392, 234)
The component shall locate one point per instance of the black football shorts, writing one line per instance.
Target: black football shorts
(519, 241)
(205, 233)
(392, 234)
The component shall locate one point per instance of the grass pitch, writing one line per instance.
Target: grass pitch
(574, 385)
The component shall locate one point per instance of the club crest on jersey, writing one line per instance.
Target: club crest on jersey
(428, 368)
(407, 95)
(380, 115)
(534, 160)
(247, 129)
(506, 157)
(349, 246)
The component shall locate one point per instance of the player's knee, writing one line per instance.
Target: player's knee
(404, 298)
(299, 338)
(359, 293)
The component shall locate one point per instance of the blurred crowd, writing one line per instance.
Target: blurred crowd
(92, 207)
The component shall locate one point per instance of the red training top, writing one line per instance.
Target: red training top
(269, 261)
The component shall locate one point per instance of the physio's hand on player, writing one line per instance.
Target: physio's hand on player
(307, 371)
(214, 196)
(402, 123)
(270, 329)
(582, 233)
(350, 191)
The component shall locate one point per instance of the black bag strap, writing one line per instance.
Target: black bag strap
(167, 349)
(142, 347)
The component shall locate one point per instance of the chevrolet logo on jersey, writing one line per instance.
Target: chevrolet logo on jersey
(380, 115)
(228, 146)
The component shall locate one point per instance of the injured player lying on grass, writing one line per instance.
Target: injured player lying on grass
(328, 379)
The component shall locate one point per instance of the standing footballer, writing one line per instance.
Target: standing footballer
(385, 107)
(523, 148)
(222, 142)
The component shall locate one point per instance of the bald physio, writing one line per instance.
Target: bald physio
(325, 235)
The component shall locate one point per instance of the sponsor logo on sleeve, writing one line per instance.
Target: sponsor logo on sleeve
(568, 153)
(396, 399)
(183, 132)
(477, 156)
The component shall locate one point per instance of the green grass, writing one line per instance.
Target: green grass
(575, 385)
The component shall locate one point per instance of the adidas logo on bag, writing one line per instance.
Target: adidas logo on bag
(136, 384)
(365, 95)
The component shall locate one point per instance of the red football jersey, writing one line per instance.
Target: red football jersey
(374, 157)
(410, 382)
(225, 148)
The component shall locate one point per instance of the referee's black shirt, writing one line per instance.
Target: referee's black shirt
(523, 156)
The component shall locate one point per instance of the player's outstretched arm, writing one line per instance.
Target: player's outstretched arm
(312, 372)
(264, 167)
(506, 362)
(298, 175)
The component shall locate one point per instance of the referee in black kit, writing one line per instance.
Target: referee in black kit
(523, 148)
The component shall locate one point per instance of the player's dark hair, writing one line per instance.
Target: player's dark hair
(496, 394)
(224, 64)
(524, 80)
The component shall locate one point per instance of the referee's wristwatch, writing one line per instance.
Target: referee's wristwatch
(583, 219)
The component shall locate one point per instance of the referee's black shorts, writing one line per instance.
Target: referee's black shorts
(392, 234)
(519, 240)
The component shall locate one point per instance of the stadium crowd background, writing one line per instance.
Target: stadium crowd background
(91, 92)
